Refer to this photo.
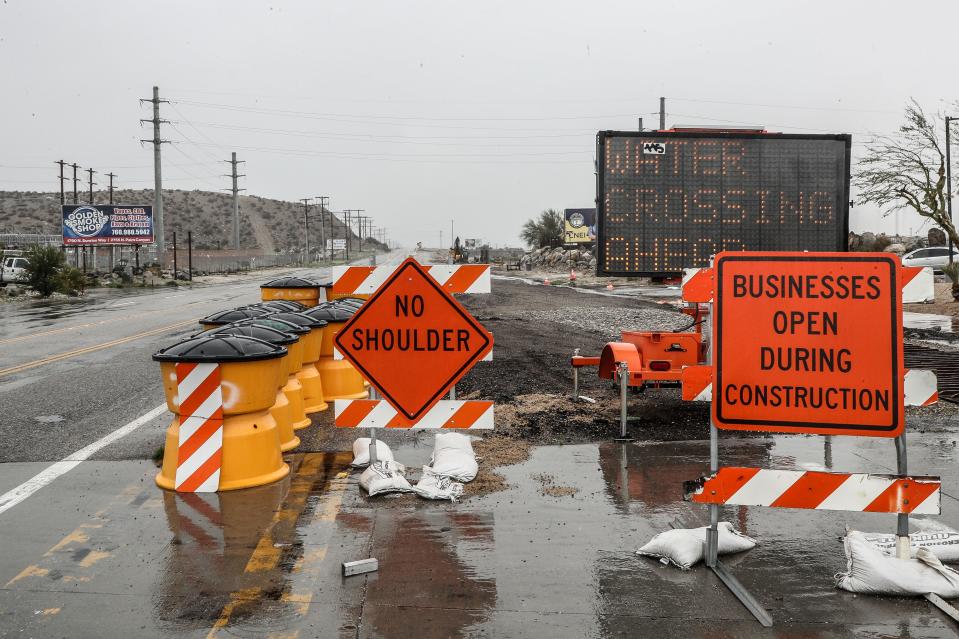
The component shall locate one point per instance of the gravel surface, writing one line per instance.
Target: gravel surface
(610, 321)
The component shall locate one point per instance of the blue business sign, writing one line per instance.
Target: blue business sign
(86, 224)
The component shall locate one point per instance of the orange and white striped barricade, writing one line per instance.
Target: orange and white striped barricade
(413, 341)
(454, 278)
(807, 343)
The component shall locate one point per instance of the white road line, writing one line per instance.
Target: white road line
(120, 304)
(13, 497)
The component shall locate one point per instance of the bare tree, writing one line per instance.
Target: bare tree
(908, 170)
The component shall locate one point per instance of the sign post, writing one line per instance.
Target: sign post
(805, 343)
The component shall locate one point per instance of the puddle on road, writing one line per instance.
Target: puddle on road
(518, 562)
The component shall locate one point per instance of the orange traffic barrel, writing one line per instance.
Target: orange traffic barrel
(281, 406)
(340, 379)
(293, 389)
(297, 289)
(313, 394)
(222, 318)
(250, 451)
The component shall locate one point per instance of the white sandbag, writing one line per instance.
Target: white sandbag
(384, 477)
(361, 452)
(944, 545)
(453, 457)
(683, 547)
(433, 486)
(870, 571)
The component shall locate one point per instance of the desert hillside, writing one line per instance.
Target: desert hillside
(265, 224)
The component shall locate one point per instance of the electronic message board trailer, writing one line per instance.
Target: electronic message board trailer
(668, 200)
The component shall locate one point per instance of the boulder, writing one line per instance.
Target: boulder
(936, 237)
(896, 248)
(867, 241)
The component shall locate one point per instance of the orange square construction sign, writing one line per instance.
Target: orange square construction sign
(412, 340)
(808, 343)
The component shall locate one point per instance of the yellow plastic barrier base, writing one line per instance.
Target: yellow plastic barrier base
(281, 413)
(340, 379)
(294, 393)
(313, 398)
(251, 452)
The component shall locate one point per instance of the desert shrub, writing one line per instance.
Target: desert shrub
(43, 267)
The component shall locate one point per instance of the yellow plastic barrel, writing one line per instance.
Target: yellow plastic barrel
(298, 289)
(281, 409)
(313, 392)
(340, 379)
(251, 442)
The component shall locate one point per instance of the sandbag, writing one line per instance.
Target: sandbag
(433, 486)
(361, 452)
(870, 571)
(944, 545)
(384, 477)
(453, 457)
(684, 547)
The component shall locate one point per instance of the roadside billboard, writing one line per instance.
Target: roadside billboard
(669, 200)
(336, 245)
(103, 224)
(580, 226)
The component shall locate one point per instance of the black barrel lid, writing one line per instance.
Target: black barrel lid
(290, 282)
(355, 302)
(325, 282)
(273, 322)
(301, 319)
(265, 333)
(235, 315)
(330, 312)
(281, 305)
(218, 349)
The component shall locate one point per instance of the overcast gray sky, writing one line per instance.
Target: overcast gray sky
(422, 112)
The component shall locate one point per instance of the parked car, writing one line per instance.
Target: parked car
(13, 270)
(935, 256)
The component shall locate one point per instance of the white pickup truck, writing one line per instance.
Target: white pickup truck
(14, 268)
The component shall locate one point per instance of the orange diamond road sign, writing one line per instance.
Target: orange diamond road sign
(412, 340)
(808, 343)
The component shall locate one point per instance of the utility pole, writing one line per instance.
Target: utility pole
(359, 220)
(236, 200)
(75, 166)
(346, 231)
(306, 226)
(110, 188)
(662, 114)
(157, 173)
(90, 172)
(323, 199)
(949, 121)
(62, 196)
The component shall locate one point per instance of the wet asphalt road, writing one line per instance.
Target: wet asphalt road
(101, 552)
(113, 556)
(52, 408)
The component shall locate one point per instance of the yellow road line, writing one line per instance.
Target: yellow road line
(91, 349)
(265, 556)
